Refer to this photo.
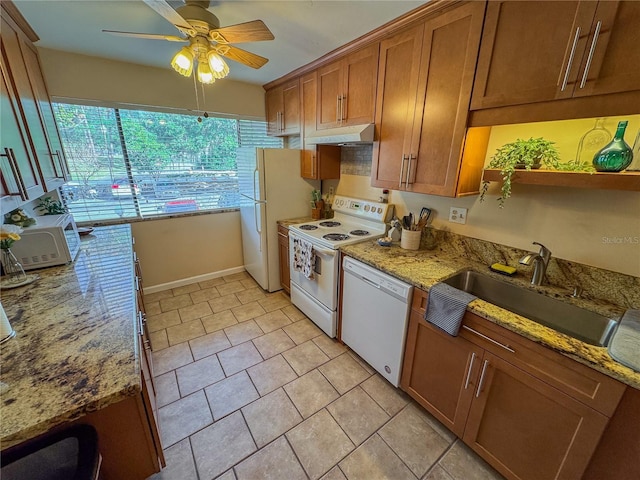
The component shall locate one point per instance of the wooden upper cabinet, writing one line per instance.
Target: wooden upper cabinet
(39, 125)
(20, 181)
(422, 126)
(395, 106)
(283, 109)
(347, 89)
(322, 162)
(612, 62)
(536, 51)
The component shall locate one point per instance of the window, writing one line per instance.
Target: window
(132, 164)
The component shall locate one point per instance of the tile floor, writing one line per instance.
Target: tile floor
(249, 388)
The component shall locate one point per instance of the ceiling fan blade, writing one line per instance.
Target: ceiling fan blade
(169, 14)
(255, 31)
(150, 36)
(242, 56)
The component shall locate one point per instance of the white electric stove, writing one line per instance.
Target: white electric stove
(355, 220)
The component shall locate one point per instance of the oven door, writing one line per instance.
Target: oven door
(323, 287)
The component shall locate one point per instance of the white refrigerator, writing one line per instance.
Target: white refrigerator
(271, 189)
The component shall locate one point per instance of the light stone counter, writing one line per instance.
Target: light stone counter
(450, 254)
(76, 348)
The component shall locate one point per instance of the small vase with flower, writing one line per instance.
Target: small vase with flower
(13, 271)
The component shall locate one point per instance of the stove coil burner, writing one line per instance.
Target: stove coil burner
(336, 237)
(331, 223)
(308, 227)
(359, 233)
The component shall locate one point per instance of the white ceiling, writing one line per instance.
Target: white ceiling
(304, 29)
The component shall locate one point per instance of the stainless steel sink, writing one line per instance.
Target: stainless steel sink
(563, 317)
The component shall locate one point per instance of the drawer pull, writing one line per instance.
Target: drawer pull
(481, 381)
(506, 347)
(466, 382)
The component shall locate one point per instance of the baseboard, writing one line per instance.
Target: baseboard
(186, 281)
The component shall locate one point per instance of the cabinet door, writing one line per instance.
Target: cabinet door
(273, 103)
(527, 429)
(290, 108)
(440, 372)
(14, 50)
(358, 100)
(611, 62)
(530, 51)
(283, 248)
(329, 95)
(395, 106)
(449, 54)
(52, 163)
(20, 179)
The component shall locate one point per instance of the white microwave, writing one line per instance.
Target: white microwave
(53, 240)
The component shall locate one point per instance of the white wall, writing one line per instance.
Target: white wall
(79, 76)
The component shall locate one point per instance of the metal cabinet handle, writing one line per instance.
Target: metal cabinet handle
(404, 159)
(481, 381)
(466, 381)
(140, 322)
(314, 166)
(343, 108)
(137, 280)
(13, 164)
(570, 61)
(594, 42)
(489, 339)
(338, 108)
(411, 157)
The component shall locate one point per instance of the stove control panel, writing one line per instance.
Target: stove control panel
(381, 212)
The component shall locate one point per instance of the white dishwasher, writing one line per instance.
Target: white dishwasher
(375, 314)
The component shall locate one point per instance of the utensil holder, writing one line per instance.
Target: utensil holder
(410, 239)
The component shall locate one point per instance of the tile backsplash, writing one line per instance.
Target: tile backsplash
(356, 160)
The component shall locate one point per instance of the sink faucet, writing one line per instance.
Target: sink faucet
(540, 262)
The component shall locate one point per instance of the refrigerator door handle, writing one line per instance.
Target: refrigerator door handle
(256, 210)
(255, 192)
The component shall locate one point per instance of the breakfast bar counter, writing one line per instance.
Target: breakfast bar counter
(76, 348)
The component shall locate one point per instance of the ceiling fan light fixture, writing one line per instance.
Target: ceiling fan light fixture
(183, 62)
(205, 75)
(219, 67)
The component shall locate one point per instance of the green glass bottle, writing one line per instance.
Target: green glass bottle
(615, 156)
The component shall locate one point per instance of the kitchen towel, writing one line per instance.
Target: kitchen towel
(625, 340)
(446, 307)
(304, 257)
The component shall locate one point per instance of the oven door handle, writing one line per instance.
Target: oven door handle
(322, 251)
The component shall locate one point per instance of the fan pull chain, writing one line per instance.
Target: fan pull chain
(195, 88)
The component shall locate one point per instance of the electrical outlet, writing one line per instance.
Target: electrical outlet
(458, 215)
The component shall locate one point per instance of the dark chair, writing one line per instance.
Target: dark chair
(67, 454)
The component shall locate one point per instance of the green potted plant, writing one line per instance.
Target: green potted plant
(49, 206)
(521, 154)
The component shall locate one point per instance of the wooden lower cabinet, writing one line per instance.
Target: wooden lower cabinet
(527, 429)
(283, 248)
(529, 414)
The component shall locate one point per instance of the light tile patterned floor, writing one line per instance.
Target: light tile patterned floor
(249, 388)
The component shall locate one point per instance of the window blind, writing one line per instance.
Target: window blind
(128, 164)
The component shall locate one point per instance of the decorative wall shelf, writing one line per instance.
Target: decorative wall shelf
(629, 181)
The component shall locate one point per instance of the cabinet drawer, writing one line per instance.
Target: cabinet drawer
(586, 385)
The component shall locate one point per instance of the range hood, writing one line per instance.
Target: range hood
(356, 134)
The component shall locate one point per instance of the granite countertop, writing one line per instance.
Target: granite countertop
(76, 344)
(293, 221)
(423, 268)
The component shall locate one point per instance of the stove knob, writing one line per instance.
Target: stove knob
(366, 208)
(379, 209)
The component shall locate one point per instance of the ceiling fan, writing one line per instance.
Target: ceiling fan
(207, 41)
